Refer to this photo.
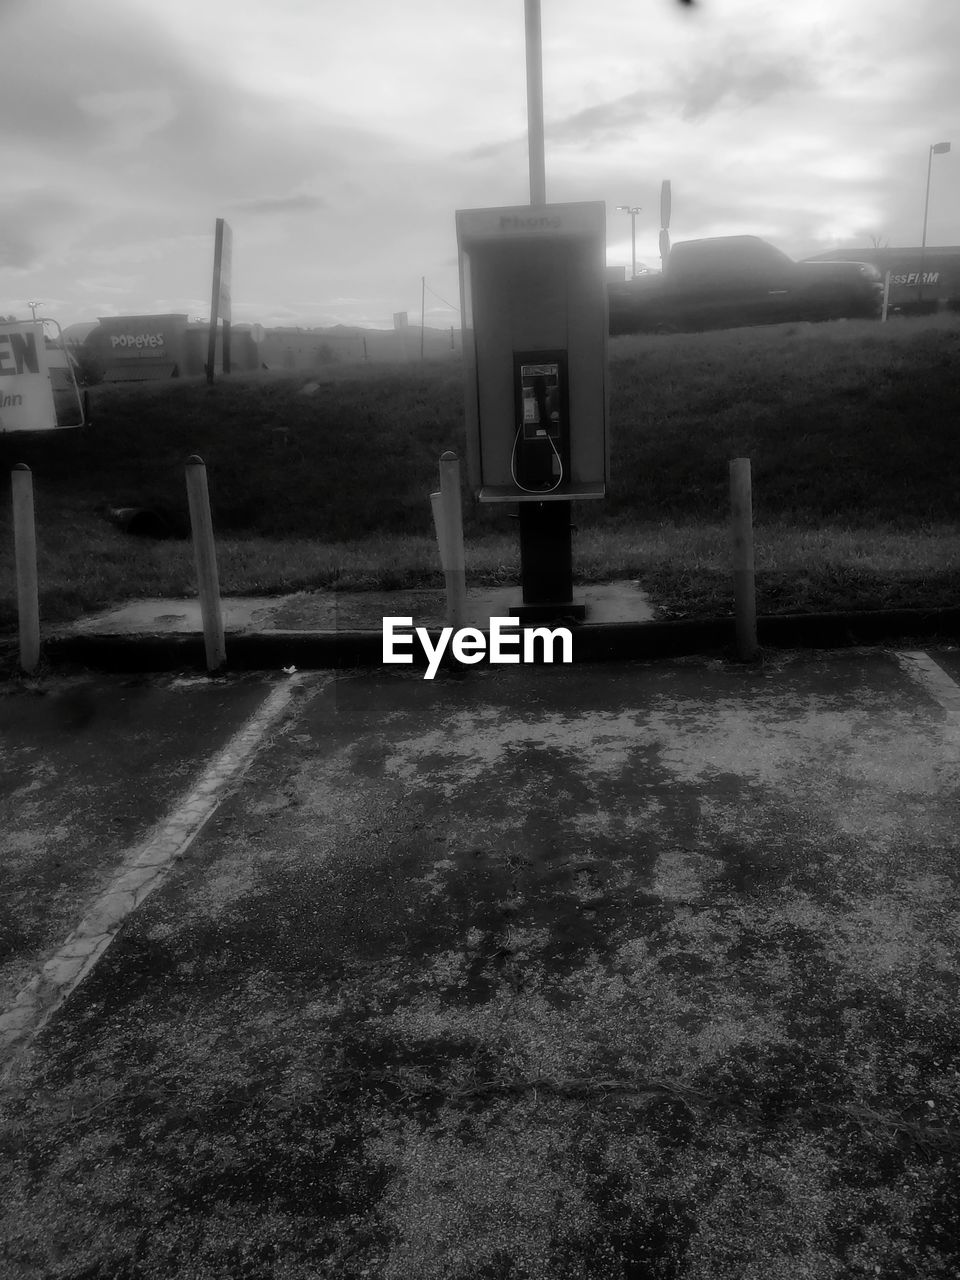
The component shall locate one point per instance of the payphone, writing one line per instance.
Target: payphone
(534, 302)
(540, 461)
(534, 306)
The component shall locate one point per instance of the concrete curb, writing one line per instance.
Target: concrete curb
(608, 642)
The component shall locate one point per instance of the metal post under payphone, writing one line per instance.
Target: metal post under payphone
(546, 553)
(546, 563)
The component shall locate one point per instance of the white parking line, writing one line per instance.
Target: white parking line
(922, 668)
(142, 870)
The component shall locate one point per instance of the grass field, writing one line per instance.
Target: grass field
(850, 427)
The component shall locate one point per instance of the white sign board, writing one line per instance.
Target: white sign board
(26, 394)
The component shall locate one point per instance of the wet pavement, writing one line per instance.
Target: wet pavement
(333, 611)
(641, 969)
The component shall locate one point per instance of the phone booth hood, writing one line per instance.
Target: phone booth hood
(533, 288)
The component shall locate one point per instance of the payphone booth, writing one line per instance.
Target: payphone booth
(534, 303)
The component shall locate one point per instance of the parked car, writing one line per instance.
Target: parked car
(726, 281)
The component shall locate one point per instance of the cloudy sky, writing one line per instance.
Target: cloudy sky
(337, 137)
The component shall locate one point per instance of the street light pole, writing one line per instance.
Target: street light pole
(633, 211)
(936, 148)
(33, 307)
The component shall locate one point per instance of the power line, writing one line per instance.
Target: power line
(443, 300)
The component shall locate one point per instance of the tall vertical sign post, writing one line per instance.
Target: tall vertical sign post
(220, 302)
(546, 551)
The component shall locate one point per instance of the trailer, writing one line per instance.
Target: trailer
(921, 280)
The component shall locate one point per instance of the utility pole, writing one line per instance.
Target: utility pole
(423, 312)
(633, 211)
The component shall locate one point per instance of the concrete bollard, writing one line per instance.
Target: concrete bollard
(744, 586)
(448, 521)
(25, 555)
(205, 555)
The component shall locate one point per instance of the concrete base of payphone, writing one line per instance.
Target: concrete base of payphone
(546, 564)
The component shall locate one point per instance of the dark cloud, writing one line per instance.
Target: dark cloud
(744, 81)
(607, 121)
(281, 204)
(493, 150)
(722, 84)
(145, 121)
(56, 55)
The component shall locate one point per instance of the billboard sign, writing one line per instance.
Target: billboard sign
(132, 347)
(26, 392)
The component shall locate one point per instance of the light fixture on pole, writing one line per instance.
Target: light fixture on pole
(633, 211)
(33, 307)
(936, 149)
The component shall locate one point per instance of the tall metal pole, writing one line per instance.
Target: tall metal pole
(538, 178)
(423, 311)
(633, 243)
(923, 241)
(546, 557)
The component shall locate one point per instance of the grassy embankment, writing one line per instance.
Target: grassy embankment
(851, 428)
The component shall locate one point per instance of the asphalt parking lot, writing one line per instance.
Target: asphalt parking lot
(644, 968)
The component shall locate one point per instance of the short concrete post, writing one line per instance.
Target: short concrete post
(205, 554)
(744, 587)
(448, 521)
(25, 554)
(886, 295)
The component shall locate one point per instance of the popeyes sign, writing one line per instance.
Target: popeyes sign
(141, 344)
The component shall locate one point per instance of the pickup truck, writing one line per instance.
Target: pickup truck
(727, 281)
